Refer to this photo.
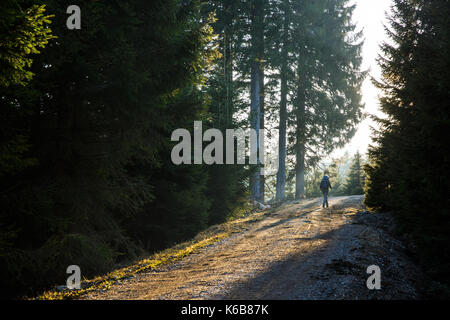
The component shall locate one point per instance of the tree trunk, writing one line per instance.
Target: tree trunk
(281, 174)
(300, 142)
(261, 104)
(257, 84)
(300, 171)
(255, 122)
(228, 66)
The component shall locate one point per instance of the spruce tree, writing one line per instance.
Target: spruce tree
(24, 30)
(226, 188)
(99, 112)
(278, 57)
(326, 104)
(256, 116)
(408, 167)
(354, 184)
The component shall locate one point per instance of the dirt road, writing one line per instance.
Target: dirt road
(299, 251)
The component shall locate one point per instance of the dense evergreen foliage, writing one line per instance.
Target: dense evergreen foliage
(227, 186)
(318, 58)
(409, 166)
(90, 180)
(24, 29)
(356, 177)
(86, 175)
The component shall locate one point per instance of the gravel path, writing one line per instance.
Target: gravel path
(298, 252)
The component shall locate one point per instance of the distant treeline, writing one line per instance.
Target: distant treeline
(408, 169)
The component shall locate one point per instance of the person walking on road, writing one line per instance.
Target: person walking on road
(325, 186)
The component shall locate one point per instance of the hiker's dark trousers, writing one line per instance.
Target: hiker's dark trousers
(325, 199)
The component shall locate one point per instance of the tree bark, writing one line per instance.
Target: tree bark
(300, 171)
(261, 103)
(300, 141)
(257, 84)
(255, 122)
(281, 174)
(228, 65)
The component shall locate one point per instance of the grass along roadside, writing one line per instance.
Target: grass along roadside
(210, 236)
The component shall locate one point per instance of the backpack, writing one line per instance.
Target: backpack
(324, 183)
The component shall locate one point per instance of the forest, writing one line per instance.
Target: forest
(87, 117)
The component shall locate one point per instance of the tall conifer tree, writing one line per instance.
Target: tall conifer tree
(408, 168)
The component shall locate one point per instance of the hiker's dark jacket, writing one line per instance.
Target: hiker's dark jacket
(325, 184)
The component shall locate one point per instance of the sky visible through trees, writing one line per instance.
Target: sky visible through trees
(370, 16)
